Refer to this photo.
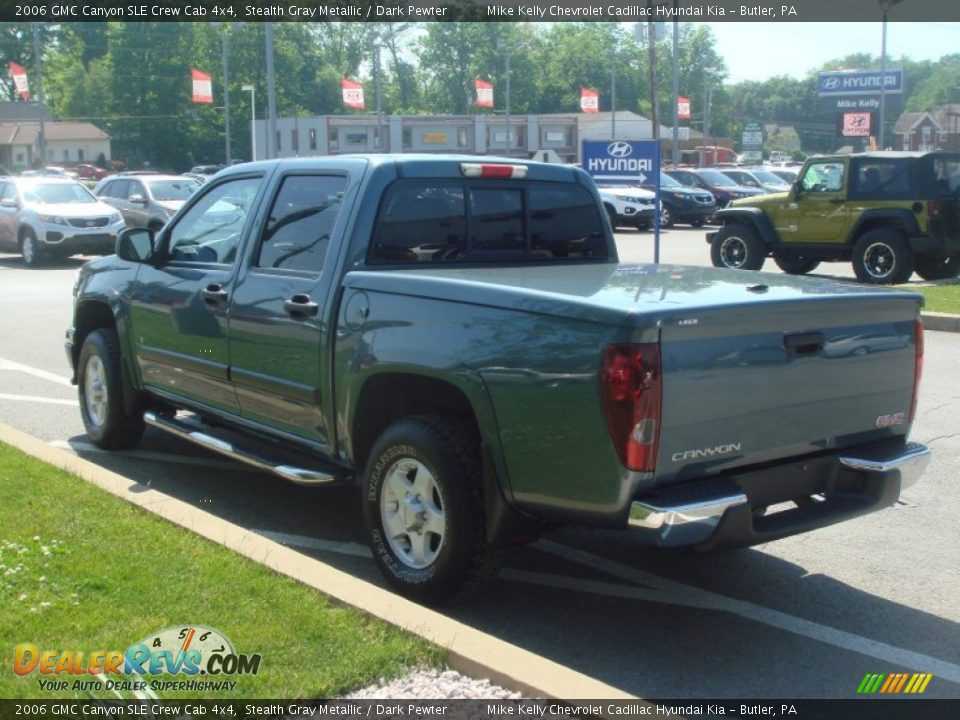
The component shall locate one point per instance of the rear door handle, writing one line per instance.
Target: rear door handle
(301, 306)
(837, 201)
(214, 294)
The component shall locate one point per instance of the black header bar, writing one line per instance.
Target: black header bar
(832, 11)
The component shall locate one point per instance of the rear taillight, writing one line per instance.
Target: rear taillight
(631, 386)
(917, 368)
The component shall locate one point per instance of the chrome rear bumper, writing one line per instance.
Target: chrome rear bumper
(833, 489)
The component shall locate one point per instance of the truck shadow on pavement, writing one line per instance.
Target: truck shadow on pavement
(658, 624)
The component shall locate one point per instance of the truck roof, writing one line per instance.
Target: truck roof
(414, 165)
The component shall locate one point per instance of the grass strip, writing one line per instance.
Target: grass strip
(81, 570)
(940, 298)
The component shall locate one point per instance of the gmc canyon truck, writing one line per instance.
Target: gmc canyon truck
(455, 336)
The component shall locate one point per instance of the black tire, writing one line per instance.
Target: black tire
(937, 268)
(796, 265)
(612, 214)
(643, 225)
(440, 457)
(30, 249)
(100, 386)
(737, 247)
(882, 257)
(698, 223)
(666, 215)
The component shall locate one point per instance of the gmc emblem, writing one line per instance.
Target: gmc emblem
(891, 420)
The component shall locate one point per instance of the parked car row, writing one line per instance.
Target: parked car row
(45, 214)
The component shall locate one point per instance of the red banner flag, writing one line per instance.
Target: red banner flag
(683, 107)
(20, 79)
(202, 87)
(484, 93)
(352, 94)
(589, 100)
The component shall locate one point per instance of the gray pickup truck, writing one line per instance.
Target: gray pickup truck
(455, 336)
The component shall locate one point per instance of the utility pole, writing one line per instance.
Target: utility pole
(271, 149)
(613, 95)
(654, 101)
(708, 95)
(675, 145)
(226, 89)
(38, 65)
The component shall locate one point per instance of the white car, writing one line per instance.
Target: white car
(628, 205)
(43, 217)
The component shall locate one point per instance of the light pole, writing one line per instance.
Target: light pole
(253, 119)
(224, 51)
(613, 94)
(505, 46)
(885, 6)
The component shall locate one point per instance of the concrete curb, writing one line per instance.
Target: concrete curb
(941, 322)
(470, 651)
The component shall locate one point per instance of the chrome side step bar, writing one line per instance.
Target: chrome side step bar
(189, 431)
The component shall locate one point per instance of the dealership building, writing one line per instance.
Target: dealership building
(553, 136)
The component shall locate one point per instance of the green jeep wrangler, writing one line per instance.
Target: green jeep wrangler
(890, 213)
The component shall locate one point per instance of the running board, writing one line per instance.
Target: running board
(190, 431)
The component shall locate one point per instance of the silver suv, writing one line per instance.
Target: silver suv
(42, 217)
(147, 199)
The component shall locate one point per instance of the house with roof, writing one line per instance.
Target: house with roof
(67, 142)
(917, 131)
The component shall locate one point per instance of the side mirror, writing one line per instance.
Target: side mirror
(138, 199)
(135, 245)
(796, 188)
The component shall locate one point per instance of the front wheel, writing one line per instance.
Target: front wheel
(737, 247)
(937, 268)
(100, 385)
(423, 506)
(666, 216)
(30, 249)
(882, 257)
(612, 214)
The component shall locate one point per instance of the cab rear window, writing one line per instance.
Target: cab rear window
(444, 221)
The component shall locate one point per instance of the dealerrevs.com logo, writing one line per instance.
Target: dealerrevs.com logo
(185, 653)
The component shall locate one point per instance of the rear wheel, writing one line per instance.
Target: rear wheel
(882, 257)
(796, 265)
(423, 506)
(737, 247)
(100, 385)
(30, 249)
(937, 268)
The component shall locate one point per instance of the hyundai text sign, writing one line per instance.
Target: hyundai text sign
(858, 82)
(626, 161)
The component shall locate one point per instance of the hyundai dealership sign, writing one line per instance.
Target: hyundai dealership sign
(859, 82)
(632, 162)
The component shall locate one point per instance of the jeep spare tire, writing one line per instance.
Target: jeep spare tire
(882, 257)
(737, 247)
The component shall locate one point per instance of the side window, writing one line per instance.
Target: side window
(300, 222)
(881, 179)
(497, 216)
(823, 177)
(136, 188)
(210, 231)
(421, 221)
(7, 192)
(565, 223)
(117, 189)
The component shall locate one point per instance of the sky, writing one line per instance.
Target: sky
(757, 51)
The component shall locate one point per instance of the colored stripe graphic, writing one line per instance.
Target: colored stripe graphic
(895, 683)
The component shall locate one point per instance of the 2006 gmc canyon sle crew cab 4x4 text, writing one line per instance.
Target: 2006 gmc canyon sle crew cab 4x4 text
(456, 336)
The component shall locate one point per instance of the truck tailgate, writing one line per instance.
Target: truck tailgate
(755, 383)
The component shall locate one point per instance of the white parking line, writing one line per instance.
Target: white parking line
(36, 372)
(77, 446)
(38, 399)
(670, 592)
(677, 593)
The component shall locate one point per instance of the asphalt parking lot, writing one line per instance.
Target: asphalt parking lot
(804, 617)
